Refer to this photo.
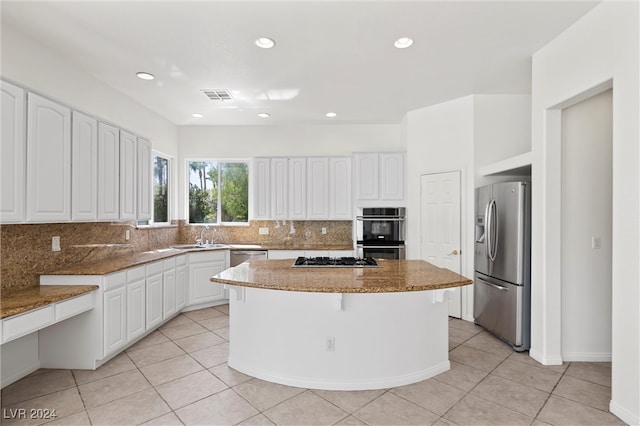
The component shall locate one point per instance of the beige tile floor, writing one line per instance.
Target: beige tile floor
(178, 375)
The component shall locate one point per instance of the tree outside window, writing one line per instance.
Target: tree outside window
(160, 189)
(218, 192)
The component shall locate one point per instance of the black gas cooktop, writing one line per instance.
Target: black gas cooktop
(335, 262)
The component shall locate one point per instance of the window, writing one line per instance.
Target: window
(218, 191)
(160, 189)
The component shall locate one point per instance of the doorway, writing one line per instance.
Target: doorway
(586, 229)
(440, 227)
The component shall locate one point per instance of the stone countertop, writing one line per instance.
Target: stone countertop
(391, 276)
(120, 263)
(14, 302)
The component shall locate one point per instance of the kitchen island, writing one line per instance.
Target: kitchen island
(339, 328)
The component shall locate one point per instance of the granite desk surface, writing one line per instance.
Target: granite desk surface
(14, 302)
(391, 276)
(121, 263)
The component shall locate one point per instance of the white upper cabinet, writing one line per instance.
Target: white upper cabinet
(145, 180)
(279, 188)
(317, 188)
(108, 172)
(48, 161)
(392, 176)
(340, 205)
(128, 151)
(261, 190)
(379, 178)
(84, 168)
(298, 188)
(12, 153)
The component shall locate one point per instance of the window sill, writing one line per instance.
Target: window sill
(157, 226)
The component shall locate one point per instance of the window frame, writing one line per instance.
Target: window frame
(219, 160)
(170, 162)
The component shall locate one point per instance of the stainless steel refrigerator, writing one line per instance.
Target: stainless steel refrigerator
(502, 285)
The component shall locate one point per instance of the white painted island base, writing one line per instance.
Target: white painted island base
(338, 341)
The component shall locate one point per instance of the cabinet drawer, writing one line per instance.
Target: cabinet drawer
(169, 264)
(74, 306)
(154, 268)
(116, 280)
(136, 274)
(27, 323)
(208, 256)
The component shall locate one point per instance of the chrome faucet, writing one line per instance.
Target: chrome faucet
(200, 241)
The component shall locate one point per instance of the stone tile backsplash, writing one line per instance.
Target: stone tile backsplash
(25, 249)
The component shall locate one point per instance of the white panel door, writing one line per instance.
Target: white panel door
(128, 152)
(12, 153)
(297, 188)
(340, 205)
(279, 188)
(84, 168)
(48, 161)
(181, 286)
(367, 176)
(154, 300)
(201, 289)
(392, 176)
(317, 188)
(136, 302)
(440, 227)
(144, 180)
(260, 189)
(108, 172)
(169, 293)
(115, 319)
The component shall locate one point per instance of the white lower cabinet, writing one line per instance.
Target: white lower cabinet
(154, 294)
(115, 313)
(181, 282)
(169, 288)
(136, 303)
(202, 266)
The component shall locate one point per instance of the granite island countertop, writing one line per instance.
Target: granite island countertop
(14, 302)
(391, 276)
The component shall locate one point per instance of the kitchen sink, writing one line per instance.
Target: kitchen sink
(198, 246)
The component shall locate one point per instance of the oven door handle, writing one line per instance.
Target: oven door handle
(378, 247)
(380, 218)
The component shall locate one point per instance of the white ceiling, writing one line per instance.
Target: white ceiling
(330, 55)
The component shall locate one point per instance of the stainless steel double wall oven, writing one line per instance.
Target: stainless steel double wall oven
(380, 232)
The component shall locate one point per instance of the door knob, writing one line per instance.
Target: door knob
(454, 252)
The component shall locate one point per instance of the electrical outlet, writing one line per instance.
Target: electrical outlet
(127, 234)
(596, 243)
(331, 343)
(55, 243)
(263, 231)
(324, 231)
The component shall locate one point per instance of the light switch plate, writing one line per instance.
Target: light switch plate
(55, 243)
(263, 231)
(596, 243)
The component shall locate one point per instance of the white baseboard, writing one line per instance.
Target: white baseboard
(587, 357)
(624, 414)
(545, 360)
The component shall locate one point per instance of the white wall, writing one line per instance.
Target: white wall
(440, 139)
(36, 67)
(602, 46)
(285, 141)
(586, 213)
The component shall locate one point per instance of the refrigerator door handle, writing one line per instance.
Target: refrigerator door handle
(492, 223)
(496, 286)
(487, 232)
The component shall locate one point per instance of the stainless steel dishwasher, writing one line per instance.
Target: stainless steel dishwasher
(239, 256)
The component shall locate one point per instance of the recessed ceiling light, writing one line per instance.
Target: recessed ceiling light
(403, 42)
(145, 76)
(264, 115)
(265, 42)
(331, 114)
(197, 115)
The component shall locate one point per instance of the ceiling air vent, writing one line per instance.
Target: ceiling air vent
(217, 94)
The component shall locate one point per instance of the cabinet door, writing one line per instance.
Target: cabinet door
(279, 188)
(115, 308)
(12, 153)
(145, 180)
(136, 302)
(108, 172)
(261, 189)
(128, 151)
(181, 287)
(154, 300)
(84, 168)
(317, 188)
(169, 293)
(202, 266)
(392, 176)
(298, 188)
(367, 176)
(48, 161)
(340, 205)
